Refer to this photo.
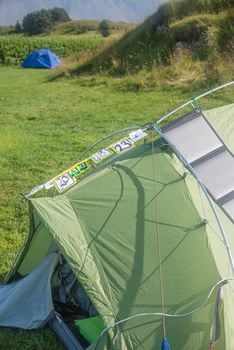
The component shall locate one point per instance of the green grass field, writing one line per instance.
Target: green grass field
(44, 124)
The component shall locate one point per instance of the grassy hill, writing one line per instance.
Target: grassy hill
(89, 26)
(187, 40)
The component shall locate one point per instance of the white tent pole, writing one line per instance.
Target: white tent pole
(192, 100)
(183, 159)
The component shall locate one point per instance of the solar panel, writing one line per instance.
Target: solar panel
(196, 140)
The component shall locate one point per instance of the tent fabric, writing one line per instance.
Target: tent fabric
(42, 58)
(113, 251)
(219, 118)
(105, 227)
(21, 302)
(90, 328)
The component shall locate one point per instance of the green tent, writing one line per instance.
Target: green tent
(150, 242)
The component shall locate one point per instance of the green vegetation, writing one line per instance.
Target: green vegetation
(178, 33)
(5, 30)
(105, 28)
(43, 21)
(45, 124)
(14, 48)
(178, 9)
(48, 118)
(89, 26)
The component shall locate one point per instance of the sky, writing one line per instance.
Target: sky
(116, 10)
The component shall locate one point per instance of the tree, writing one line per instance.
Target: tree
(18, 28)
(59, 15)
(39, 22)
(105, 28)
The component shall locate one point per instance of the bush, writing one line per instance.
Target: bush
(42, 21)
(105, 28)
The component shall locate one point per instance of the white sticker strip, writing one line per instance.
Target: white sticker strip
(122, 145)
(64, 181)
(48, 185)
(137, 135)
(101, 155)
(35, 190)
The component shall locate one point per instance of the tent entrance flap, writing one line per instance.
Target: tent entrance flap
(21, 302)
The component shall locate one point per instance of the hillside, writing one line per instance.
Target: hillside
(194, 38)
(77, 27)
(115, 10)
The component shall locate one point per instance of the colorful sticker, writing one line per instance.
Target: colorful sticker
(78, 168)
(101, 155)
(73, 171)
(122, 145)
(82, 166)
(137, 135)
(64, 181)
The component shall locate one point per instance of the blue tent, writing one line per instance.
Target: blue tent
(42, 58)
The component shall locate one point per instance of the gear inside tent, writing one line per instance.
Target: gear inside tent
(42, 58)
(136, 249)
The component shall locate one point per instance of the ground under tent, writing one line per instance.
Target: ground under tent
(93, 252)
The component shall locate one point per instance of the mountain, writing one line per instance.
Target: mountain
(115, 10)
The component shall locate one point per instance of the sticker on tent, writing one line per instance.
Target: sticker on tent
(64, 181)
(74, 171)
(101, 155)
(48, 185)
(122, 145)
(78, 168)
(82, 166)
(137, 135)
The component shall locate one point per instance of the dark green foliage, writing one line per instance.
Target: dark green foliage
(18, 28)
(37, 22)
(105, 28)
(42, 21)
(59, 15)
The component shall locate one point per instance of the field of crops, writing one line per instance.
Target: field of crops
(13, 49)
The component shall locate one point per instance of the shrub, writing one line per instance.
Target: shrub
(42, 21)
(105, 28)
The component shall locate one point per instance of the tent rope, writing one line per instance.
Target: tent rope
(157, 231)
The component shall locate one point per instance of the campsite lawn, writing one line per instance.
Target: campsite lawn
(44, 124)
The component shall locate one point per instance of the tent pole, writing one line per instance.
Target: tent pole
(190, 168)
(192, 100)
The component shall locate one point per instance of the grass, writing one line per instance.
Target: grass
(78, 27)
(206, 35)
(48, 118)
(45, 124)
